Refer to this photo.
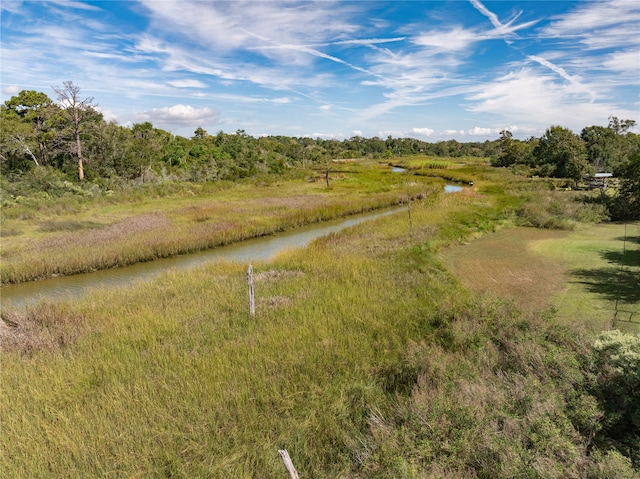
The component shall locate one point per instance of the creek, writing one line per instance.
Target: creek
(264, 248)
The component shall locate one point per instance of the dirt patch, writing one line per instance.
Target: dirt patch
(505, 265)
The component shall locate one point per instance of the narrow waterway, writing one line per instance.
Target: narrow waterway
(258, 249)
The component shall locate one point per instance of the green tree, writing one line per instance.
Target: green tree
(107, 146)
(16, 143)
(609, 148)
(562, 154)
(511, 151)
(146, 148)
(600, 143)
(627, 204)
(32, 108)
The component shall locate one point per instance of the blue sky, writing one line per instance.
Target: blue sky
(433, 70)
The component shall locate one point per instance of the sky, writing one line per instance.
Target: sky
(431, 70)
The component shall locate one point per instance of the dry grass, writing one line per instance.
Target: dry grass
(504, 265)
(42, 328)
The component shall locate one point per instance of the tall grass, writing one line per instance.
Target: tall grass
(366, 359)
(143, 229)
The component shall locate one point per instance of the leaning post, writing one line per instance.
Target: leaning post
(410, 222)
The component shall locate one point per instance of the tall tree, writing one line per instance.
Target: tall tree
(629, 197)
(561, 153)
(76, 110)
(601, 145)
(33, 108)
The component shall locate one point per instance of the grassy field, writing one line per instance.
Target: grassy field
(590, 276)
(366, 358)
(602, 272)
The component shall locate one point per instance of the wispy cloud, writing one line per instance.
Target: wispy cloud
(186, 83)
(574, 81)
(503, 29)
(597, 25)
(464, 68)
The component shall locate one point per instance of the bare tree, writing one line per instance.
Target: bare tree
(76, 110)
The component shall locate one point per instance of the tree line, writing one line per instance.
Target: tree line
(70, 140)
(72, 136)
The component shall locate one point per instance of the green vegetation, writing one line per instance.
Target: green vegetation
(600, 261)
(367, 358)
(460, 338)
(108, 232)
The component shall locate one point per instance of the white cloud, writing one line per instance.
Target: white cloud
(422, 131)
(453, 132)
(11, 90)
(479, 131)
(575, 81)
(187, 83)
(604, 24)
(179, 115)
(538, 101)
(504, 29)
(108, 115)
(326, 136)
(626, 61)
(456, 39)
(227, 26)
(410, 133)
(593, 19)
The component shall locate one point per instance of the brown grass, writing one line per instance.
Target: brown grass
(504, 265)
(46, 327)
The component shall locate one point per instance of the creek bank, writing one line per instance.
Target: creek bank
(262, 248)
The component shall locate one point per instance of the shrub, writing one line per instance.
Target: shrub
(616, 372)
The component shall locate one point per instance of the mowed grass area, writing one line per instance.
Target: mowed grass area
(602, 272)
(503, 264)
(590, 276)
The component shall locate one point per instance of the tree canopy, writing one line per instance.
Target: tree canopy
(73, 138)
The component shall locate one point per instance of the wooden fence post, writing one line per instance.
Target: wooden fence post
(252, 306)
(293, 474)
(410, 222)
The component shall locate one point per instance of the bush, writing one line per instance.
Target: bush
(616, 372)
(559, 210)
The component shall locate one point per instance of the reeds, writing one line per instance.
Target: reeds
(366, 358)
(104, 237)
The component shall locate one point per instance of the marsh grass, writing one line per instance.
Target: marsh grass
(44, 328)
(366, 358)
(144, 229)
